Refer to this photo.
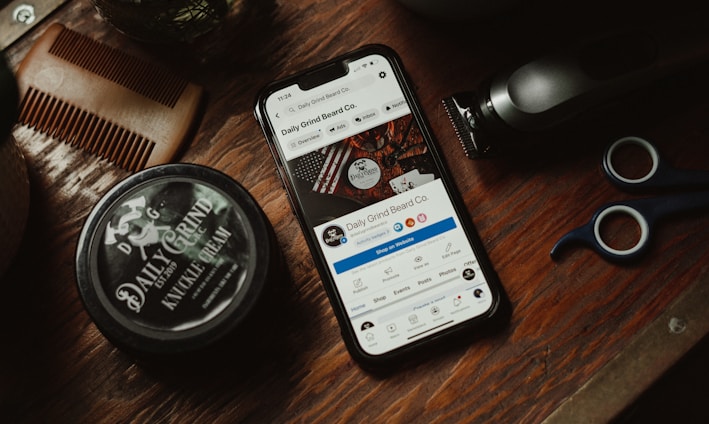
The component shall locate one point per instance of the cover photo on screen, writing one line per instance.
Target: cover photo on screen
(363, 169)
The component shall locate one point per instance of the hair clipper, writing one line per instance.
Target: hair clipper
(515, 107)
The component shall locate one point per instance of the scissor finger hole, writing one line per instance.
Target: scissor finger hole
(632, 160)
(621, 230)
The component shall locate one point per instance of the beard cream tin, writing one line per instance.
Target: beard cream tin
(173, 259)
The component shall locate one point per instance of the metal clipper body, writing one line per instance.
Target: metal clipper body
(515, 107)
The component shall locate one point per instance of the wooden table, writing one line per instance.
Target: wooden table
(585, 337)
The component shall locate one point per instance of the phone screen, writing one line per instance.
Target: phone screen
(369, 191)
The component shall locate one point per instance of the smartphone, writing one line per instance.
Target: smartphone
(398, 256)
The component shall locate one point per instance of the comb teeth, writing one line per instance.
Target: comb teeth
(120, 108)
(133, 73)
(77, 127)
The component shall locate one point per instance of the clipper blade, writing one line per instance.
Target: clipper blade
(460, 108)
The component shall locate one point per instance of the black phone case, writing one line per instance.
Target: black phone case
(499, 311)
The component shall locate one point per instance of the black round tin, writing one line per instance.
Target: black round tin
(173, 259)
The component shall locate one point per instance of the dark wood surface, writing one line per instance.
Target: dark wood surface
(570, 318)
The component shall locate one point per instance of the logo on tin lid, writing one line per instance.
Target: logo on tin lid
(137, 225)
(170, 242)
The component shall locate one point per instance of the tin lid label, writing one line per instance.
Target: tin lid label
(173, 255)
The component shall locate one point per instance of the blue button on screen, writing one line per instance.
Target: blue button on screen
(393, 246)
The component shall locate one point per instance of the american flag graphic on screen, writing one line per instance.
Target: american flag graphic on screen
(336, 156)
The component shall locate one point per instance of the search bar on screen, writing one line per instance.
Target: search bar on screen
(325, 96)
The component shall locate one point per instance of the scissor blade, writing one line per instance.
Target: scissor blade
(20, 16)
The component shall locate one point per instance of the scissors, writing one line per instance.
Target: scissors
(646, 211)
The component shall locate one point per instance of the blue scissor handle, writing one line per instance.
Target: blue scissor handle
(661, 175)
(646, 212)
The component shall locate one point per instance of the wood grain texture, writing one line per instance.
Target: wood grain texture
(569, 317)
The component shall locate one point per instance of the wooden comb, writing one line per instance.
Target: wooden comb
(116, 106)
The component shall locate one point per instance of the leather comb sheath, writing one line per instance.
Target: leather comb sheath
(120, 108)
